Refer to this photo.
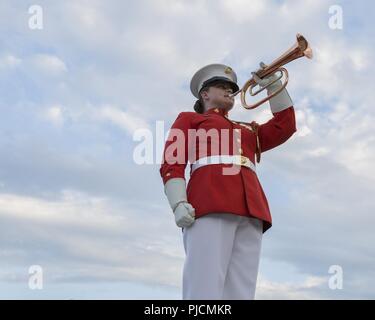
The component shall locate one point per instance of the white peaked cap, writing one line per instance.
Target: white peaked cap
(210, 74)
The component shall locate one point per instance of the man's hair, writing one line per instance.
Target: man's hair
(199, 104)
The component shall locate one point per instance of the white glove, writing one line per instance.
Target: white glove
(282, 100)
(175, 190)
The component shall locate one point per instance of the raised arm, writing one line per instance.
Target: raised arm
(283, 123)
(278, 129)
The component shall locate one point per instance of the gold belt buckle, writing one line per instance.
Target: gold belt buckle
(243, 160)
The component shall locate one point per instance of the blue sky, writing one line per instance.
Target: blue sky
(73, 94)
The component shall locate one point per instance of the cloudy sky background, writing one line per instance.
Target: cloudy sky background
(73, 200)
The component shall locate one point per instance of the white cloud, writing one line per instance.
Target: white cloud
(55, 115)
(267, 290)
(73, 208)
(318, 152)
(110, 243)
(243, 11)
(359, 58)
(125, 120)
(49, 64)
(9, 61)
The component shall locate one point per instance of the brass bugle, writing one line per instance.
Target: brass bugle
(300, 49)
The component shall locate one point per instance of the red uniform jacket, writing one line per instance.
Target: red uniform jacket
(208, 189)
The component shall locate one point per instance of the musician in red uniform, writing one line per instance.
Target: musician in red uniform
(223, 211)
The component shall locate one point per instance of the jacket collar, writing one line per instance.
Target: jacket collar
(220, 111)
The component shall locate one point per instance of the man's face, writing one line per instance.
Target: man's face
(218, 96)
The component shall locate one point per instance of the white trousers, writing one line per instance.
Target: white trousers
(222, 257)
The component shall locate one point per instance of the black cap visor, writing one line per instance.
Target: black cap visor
(215, 80)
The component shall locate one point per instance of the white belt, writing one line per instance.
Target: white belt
(225, 159)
